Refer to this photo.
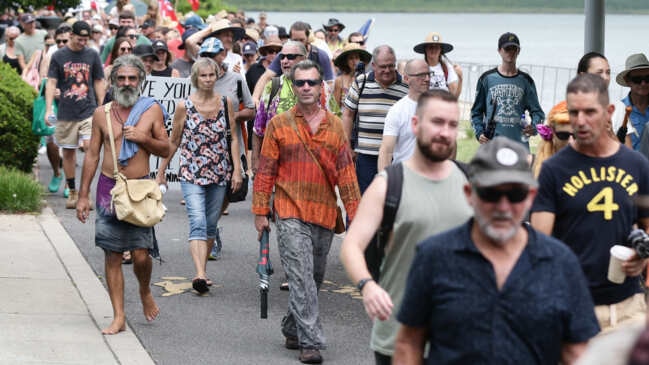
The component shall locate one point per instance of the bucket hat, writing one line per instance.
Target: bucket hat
(634, 62)
(333, 22)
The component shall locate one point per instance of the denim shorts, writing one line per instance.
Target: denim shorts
(203, 204)
(114, 235)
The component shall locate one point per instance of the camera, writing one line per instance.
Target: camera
(639, 241)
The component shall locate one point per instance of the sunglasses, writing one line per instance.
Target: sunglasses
(639, 79)
(334, 30)
(493, 195)
(360, 43)
(311, 82)
(113, 27)
(563, 135)
(209, 54)
(132, 36)
(290, 56)
(61, 41)
(125, 49)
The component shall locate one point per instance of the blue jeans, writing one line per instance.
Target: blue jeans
(303, 249)
(203, 204)
(366, 170)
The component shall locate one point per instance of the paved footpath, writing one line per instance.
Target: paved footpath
(53, 306)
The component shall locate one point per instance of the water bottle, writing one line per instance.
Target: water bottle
(524, 137)
(51, 119)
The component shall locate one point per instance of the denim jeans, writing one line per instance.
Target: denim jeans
(203, 204)
(303, 249)
(366, 170)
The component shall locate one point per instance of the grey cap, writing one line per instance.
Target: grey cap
(501, 161)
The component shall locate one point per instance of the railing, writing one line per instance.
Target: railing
(550, 84)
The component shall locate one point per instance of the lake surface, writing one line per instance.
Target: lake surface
(553, 40)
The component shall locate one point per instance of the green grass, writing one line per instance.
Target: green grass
(19, 192)
(467, 144)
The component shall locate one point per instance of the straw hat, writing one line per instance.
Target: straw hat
(273, 43)
(350, 48)
(433, 38)
(636, 61)
(223, 24)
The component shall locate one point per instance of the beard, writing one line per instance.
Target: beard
(438, 155)
(496, 235)
(126, 96)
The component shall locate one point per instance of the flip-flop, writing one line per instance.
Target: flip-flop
(209, 282)
(200, 285)
(127, 259)
(284, 286)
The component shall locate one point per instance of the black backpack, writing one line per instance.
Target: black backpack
(375, 251)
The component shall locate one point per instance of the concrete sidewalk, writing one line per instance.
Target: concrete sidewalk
(53, 306)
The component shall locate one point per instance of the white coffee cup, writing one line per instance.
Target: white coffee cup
(619, 254)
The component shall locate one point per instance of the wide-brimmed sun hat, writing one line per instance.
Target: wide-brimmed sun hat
(332, 23)
(350, 48)
(273, 43)
(433, 38)
(221, 25)
(634, 62)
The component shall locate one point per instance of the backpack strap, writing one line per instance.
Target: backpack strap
(464, 167)
(392, 201)
(274, 88)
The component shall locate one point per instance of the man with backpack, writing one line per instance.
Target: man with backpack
(429, 199)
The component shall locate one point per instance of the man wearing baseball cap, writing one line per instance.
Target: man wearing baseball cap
(30, 41)
(487, 291)
(503, 96)
(77, 71)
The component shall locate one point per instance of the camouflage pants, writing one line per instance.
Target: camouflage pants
(303, 249)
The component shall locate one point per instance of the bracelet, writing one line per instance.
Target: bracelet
(362, 283)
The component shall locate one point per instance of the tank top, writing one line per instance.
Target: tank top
(13, 62)
(166, 72)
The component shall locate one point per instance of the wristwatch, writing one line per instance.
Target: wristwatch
(362, 283)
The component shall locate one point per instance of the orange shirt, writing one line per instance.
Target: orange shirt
(301, 189)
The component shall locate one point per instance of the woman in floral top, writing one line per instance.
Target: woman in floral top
(199, 130)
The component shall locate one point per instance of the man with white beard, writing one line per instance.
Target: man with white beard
(487, 291)
(138, 131)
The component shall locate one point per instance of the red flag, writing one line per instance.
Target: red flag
(167, 11)
(194, 3)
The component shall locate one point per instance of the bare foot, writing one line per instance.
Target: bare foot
(151, 310)
(117, 326)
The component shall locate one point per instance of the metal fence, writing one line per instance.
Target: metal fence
(550, 83)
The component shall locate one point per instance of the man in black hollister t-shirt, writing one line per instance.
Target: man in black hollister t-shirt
(586, 199)
(76, 70)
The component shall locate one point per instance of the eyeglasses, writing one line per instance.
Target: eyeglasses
(360, 43)
(290, 56)
(563, 135)
(132, 36)
(311, 82)
(61, 41)
(493, 195)
(131, 78)
(125, 49)
(639, 79)
(423, 74)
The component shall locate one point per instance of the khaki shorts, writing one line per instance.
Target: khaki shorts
(632, 310)
(68, 134)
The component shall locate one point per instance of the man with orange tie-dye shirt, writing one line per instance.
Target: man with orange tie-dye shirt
(304, 155)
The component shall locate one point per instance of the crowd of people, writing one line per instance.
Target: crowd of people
(501, 260)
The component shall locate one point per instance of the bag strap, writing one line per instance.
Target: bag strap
(274, 88)
(107, 107)
(391, 204)
(299, 136)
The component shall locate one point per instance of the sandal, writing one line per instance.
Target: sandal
(283, 286)
(126, 258)
(200, 285)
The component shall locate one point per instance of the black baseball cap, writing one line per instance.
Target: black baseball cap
(508, 39)
(81, 28)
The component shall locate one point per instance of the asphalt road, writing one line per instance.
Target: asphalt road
(223, 327)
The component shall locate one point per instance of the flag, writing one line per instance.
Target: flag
(194, 3)
(168, 13)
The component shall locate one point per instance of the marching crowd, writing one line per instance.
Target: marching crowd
(504, 260)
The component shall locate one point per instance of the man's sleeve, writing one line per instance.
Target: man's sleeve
(347, 182)
(417, 304)
(351, 100)
(536, 112)
(97, 69)
(275, 66)
(53, 71)
(581, 322)
(325, 62)
(392, 123)
(545, 200)
(478, 110)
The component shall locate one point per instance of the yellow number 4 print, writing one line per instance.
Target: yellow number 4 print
(603, 202)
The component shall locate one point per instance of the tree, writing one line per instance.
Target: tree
(37, 4)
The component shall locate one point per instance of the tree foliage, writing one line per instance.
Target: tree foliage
(37, 4)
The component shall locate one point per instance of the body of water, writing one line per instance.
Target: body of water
(551, 44)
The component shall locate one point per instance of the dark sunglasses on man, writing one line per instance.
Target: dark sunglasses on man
(311, 82)
(639, 79)
(493, 194)
(290, 56)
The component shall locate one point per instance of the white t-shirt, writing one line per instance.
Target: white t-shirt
(437, 80)
(232, 59)
(398, 124)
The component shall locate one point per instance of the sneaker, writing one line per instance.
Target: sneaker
(71, 203)
(216, 249)
(310, 356)
(66, 192)
(55, 184)
(292, 343)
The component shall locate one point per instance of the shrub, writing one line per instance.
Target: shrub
(18, 146)
(19, 192)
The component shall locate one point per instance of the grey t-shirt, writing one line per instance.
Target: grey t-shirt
(184, 67)
(226, 85)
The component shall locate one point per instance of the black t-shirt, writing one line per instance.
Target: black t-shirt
(253, 74)
(75, 74)
(592, 199)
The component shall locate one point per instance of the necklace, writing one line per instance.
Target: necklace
(116, 114)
